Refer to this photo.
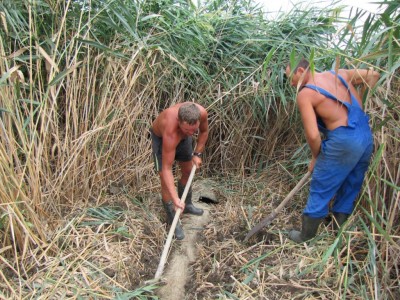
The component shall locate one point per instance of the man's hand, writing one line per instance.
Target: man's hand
(197, 161)
(312, 164)
(178, 204)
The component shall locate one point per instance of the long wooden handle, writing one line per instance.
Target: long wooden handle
(268, 219)
(164, 254)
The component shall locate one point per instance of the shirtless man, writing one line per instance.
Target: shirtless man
(328, 102)
(171, 134)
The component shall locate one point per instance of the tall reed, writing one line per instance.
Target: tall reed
(81, 82)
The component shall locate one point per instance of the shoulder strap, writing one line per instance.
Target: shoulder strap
(325, 93)
(341, 79)
(352, 97)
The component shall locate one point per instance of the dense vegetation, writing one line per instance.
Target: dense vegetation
(81, 82)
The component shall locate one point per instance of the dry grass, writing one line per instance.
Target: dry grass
(102, 250)
(269, 266)
(78, 215)
(112, 246)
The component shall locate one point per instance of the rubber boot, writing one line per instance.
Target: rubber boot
(309, 230)
(169, 208)
(339, 219)
(327, 220)
(189, 207)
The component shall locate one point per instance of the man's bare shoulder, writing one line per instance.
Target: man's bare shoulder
(346, 74)
(166, 122)
(309, 97)
(306, 93)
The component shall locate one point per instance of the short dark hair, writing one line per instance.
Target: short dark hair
(189, 113)
(303, 63)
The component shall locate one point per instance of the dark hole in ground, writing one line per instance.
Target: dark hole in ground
(207, 200)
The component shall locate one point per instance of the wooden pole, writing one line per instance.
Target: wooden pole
(164, 254)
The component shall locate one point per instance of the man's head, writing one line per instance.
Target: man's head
(298, 73)
(189, 118)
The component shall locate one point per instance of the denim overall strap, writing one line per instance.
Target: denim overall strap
(326, 94)
(321, 126)
(344, 82)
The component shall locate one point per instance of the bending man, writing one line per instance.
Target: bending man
(329, 102)
(172, 133)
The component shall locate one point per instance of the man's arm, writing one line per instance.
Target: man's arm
(203, 132)
(202, 137)
(310, 125)
(167, 177)
(366, 78)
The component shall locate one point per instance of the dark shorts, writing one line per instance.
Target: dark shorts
(183, 151)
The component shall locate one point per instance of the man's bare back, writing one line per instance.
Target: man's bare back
(333, 113)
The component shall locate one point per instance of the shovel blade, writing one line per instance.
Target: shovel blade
(264, 222)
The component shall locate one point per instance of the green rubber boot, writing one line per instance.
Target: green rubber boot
(189, 207)
(169, 208)
(339, 220)
(308, 231)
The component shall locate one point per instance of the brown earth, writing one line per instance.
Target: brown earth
(184, 253)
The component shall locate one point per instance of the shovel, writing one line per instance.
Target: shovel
(268, 219)
(164, 254)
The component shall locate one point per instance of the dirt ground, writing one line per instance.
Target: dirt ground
(184, 253)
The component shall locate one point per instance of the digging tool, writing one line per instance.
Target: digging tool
(178, 212)
(268, 219)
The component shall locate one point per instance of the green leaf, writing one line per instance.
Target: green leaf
(149, 17)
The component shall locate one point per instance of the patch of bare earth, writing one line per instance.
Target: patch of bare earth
(178, 267)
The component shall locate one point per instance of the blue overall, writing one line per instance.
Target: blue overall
(343, 160)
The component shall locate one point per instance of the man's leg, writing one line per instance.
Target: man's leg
(165, 196)
(331, 169)
(345, 197)
(186, 168)
(170, 210)
(184, 157)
